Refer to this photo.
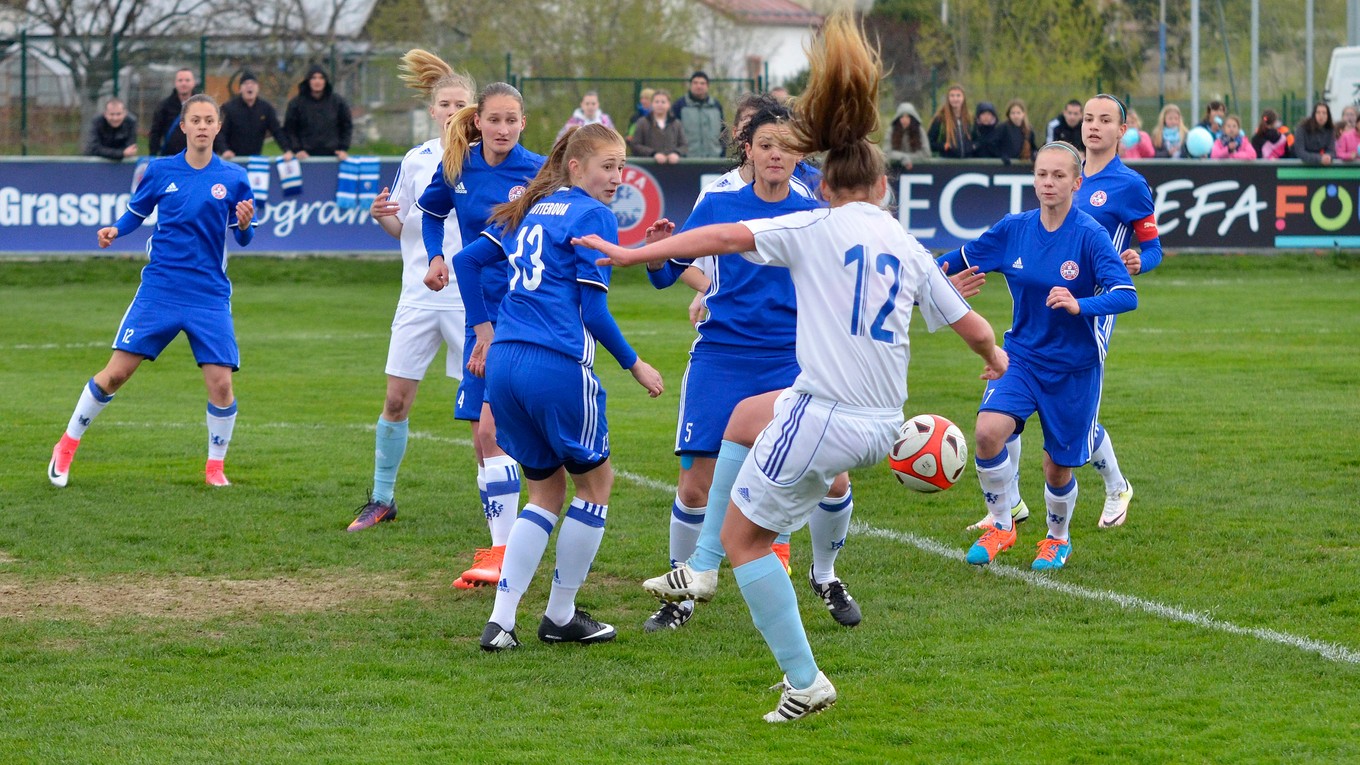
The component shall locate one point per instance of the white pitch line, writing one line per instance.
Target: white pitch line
(1329, 651)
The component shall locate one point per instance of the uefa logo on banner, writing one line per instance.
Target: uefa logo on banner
(637, 204)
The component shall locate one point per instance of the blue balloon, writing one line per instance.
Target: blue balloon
(1131, 137)
(1199, 142)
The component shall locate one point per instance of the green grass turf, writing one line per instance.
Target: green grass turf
(145, 618)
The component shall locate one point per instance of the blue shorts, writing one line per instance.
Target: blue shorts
(150, 325)
(471, 389)
(1067, 404)
(545, 426)
(715, 382)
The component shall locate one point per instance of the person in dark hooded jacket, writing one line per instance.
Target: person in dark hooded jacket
(318, 121)
(986, 131)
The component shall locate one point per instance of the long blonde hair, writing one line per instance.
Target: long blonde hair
(428, 74)
(1161, 123)
(838, 110)
(578, 143)
(461, 131)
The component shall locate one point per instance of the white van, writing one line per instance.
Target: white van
(1343, 80)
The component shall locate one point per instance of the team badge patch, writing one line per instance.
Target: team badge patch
(1098, 199)
(219, 191)
(515, 193)
(637, 203)
(1069, 270)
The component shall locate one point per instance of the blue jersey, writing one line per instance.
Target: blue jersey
(547, 273)
(194, 209)
(479, 188)
(1121, 202)
(1078, 256)
(749, 306)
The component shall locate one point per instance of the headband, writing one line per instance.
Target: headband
(1123, 117)
(1065, 146)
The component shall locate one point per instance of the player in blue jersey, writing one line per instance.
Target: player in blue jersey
(197, 197)
(484, 165)
(1121, 202)
(553, 313)
(745, 348)
(1066, 283)
(425, 319)
(860, 273)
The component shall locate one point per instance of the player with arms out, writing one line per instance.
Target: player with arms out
(1118, 197)
(184, 288)
(553, 313)
(484, 165)
(425, 319)
(1066, 283)
(857, 275)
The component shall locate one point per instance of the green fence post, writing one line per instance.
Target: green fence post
(116, 67)
(202, 60)
(508, 77)
(23, 92)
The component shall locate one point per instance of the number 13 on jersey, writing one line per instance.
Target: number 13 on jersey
(857, 257)
(526, 262)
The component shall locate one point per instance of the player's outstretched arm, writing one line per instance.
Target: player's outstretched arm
(982, 340)
(718, 239)
(968, 282)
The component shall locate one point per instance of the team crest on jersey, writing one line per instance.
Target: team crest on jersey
(1098, 199)
(219, 191)
(1069, 270)
(516, 193)
(637, 203)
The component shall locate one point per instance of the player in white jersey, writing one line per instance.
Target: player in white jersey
(425, 319)
(857, 274)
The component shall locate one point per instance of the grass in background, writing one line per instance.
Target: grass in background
(147, 618)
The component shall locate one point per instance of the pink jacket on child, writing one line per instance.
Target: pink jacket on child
(1347, 144)
(1244, 150)
(1141, 150)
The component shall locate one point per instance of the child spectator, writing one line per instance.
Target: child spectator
(1347, 139)
(1168, 138)
(659, 135)
(588, 113)
(1232, 144)
(1215, 114)
(1137, 142)
(1272, 139)
(644, 105)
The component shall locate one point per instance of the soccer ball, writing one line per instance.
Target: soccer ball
(930, 453)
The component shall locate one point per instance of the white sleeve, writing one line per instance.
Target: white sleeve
(940, 304)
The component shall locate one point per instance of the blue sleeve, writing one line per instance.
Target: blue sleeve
(1117, 292)
(668, 274)
(244, 236)
(436, 202)
(987, 252)
(1151, 255)
(467, 267)
(596, 317)
(127, 223)
(1121, 300)
(1145, 225)
(604, 224)
(954, 258)
(243, 192)
(143, 202)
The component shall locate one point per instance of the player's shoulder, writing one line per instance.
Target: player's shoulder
(523, 158)
(431, 148)
(226, 168)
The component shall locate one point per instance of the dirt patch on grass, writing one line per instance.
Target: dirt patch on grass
(7, 558)
(194, 598)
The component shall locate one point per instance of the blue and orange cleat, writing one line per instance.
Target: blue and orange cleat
(373, 513)
(992, 542)
(1052, 554)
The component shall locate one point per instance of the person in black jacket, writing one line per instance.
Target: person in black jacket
(1067, 126)
(113, 134)
(318, 122)
(165, 138)
(986, 132)
(247, 118)
(1315, 138)
(1017, 141)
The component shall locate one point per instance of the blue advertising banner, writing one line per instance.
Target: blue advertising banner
(55, 205)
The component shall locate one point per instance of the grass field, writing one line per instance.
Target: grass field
(145, 618)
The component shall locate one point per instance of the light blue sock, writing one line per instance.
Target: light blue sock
(774, 609)
(389, 448)
(708, 554)
(782, 539)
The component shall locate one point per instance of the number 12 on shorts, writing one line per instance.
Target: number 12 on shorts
(884, 263)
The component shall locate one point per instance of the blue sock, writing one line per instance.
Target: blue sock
(389, 448)
(708, 554)
(782, 539)
(774, 609)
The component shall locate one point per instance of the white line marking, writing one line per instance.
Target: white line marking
(247, 338)
(1329, 651)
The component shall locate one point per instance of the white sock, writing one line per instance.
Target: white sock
(829, 524)
(577, 543)
(1013, 490)
(994, 476)
(92, 401)
(1061, 502)
(502, 496)
(686, 522)
(221, 421)
(481, 486)
(523, 551)
(1105, 463)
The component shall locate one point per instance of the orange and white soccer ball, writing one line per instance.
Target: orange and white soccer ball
(930, 453)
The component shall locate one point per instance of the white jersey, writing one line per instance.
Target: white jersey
(417, 168)
(857, 274)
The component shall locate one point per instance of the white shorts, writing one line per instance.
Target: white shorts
(417, 334)
(808, 443)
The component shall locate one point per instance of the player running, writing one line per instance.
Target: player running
(553, 313)
(484, 165)
(425, 319)
(1066, 283)
(1121, 202)
(857, 275)
(184, 288)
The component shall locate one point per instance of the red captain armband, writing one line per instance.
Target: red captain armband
(1146, 229)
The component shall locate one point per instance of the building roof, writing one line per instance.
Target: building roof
(781, 13)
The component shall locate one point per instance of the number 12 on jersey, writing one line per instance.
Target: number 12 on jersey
(857, 257)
